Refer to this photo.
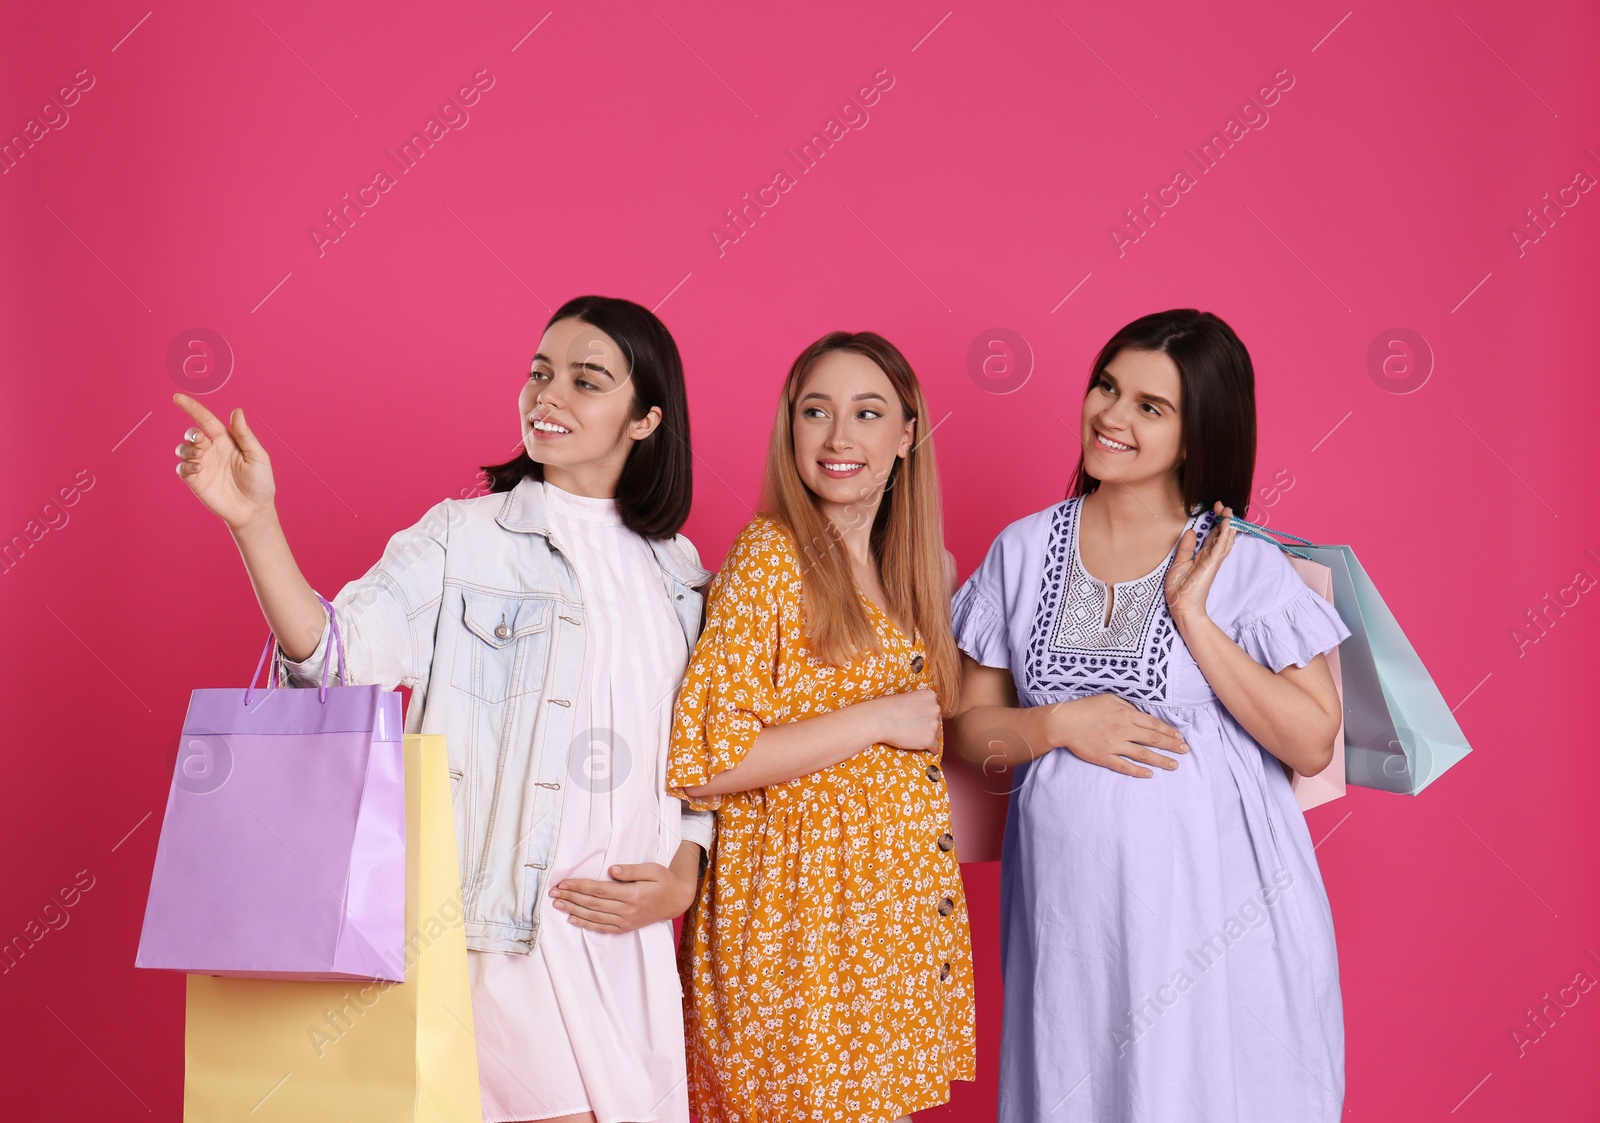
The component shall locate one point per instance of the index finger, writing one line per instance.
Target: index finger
(1186, 542)
(1159, 729)
(610, 890)
(1216, 547)
(207, 420)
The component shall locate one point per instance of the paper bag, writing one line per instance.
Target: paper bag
(289, 1051)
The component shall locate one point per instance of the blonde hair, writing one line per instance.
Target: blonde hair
(907, 538)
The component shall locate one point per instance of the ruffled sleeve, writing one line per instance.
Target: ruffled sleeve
(729, 695)
(979, 626)
(1284, 621)
(976, 615)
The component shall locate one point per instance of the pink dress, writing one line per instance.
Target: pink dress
(593, 1021)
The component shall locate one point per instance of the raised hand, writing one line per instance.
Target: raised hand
(225, 465)
(1190, 575)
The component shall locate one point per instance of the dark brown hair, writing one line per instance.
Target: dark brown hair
(657, 484)
(1219, 403)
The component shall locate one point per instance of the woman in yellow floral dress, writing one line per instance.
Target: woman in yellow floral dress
(826, 961)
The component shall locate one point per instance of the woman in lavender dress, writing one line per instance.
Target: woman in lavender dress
(1167, 944)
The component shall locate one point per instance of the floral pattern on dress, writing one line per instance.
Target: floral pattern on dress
(826, 961)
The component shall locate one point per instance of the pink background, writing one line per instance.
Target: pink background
(978, 194)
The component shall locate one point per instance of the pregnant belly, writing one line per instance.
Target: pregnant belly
(1061, 788)
(1082, 821)
(1203, 834)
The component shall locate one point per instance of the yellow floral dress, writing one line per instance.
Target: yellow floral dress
(826, 960)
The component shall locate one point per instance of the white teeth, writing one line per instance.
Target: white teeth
(845, 467)
(1109, 443)
(549, 427)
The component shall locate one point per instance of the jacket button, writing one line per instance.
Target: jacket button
(946, 841)
(946, 907)
(501, 631)
(944, 972)
(933, 773)
(916, 665)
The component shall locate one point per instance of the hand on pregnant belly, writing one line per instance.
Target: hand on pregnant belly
(1109, 731)
(907, 721)
(636, 895)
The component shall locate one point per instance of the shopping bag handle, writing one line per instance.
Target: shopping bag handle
(277, 672)
(1264, 534)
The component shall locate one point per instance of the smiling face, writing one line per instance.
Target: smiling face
(849, 429)
(577, 409)
(1132, 429)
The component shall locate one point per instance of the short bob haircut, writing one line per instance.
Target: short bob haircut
(657, 484)
(1218, 409)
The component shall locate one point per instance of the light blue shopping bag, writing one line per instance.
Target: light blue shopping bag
(1400, 736)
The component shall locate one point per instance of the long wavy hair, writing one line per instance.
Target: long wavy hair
(907, 536)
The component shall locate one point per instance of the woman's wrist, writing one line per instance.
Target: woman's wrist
(1193, 626)
(1060, 725)
(864, 728)
(1010, 735)
(263, 524)
(686, 869)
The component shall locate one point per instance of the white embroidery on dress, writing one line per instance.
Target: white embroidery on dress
(1071, 648)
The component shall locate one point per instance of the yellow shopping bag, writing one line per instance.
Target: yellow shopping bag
(264, 1050)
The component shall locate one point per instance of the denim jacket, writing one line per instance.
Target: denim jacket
(476, 609)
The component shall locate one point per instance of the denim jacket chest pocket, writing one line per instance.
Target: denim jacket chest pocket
(506, 648)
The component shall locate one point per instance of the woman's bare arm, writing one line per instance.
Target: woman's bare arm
(994, 731)
(798, 748)
(229, 471)
(1294, 713)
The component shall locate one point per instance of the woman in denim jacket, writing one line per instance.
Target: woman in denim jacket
(544, 629)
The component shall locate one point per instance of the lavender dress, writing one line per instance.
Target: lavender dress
(1166, 943)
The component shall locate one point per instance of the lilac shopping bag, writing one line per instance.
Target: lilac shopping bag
(283, 850)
